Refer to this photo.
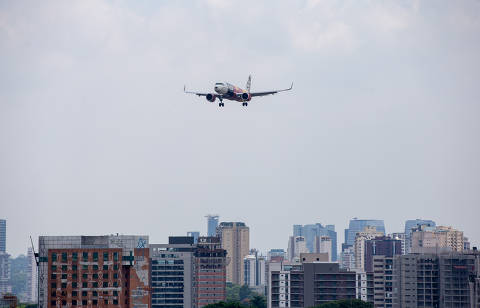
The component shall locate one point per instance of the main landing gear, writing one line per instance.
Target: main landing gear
(244, 104)
(221, 104)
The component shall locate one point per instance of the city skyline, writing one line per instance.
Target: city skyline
(474, 240)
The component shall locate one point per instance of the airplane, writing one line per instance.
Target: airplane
(225, 90)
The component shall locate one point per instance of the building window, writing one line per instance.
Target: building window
(105, 301)
(115, 276)
(95, 276)
(64, 268)
(84, 284)
(64, 285)
(84, 302)
(74, 302)
(74, 285)
(115, 267)
(105, 256)
(95, 284)
(74, 256)
(64, 257)
(54, 257)
(105, 275)
(85, 276)
(85, 256)
(64, 276)
(54, 268)
(84, 267)
(95, 293)
(74, 293)
(74, 276)
(115, 301)
(54, 285)
(74, 268)
(95, 267)
(94, 302)
(115, 256)
(95, 256)
(105, 267)
(105, 284)
(53, 276)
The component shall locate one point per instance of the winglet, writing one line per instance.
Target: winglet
(184, 88)
(291, 86)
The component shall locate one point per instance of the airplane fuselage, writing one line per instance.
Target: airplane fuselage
(231, 92)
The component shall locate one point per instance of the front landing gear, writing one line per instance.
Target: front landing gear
(221, 104)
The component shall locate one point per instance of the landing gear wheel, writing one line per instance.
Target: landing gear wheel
(246, 104)
(220, 105)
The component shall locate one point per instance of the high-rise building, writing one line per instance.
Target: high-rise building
(309, 232)
(426, 239)
(3, 235)
(278, 254)
(210, 272)
(173, 273)
(254, 270)
(309, 284)
(414, 223)
(5, 286)
(437, 280)
(212, 224)
(357, 225)
(195, 235)
(235, 239)
(31, 281)
(380, 246)
(379, 254)
(323, 244)
(368, 233)
(401, 237)
(107, 271)
(296, 246)
(348, 258)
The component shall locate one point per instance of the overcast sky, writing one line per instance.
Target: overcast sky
(97, 136)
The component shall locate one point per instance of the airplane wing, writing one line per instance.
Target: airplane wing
(196, 93)
(253, 94)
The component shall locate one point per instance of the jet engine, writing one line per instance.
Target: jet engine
(246, 96)
(211, 97)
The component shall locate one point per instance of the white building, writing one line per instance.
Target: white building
(296, 246)
(323, 244)
(32, 282)
(254, 270)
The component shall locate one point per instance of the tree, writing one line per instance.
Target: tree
(346, 303)
(258, 301)
(226, 305)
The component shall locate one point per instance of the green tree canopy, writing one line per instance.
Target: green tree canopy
(351, 303)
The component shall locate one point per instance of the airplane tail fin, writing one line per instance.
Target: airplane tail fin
(249, 82)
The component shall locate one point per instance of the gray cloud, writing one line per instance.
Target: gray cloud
(97, 137)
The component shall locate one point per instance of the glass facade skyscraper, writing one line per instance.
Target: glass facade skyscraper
(309, 232)
(212, 224)
(357, 225)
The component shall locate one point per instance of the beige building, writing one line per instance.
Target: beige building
(425, 238)
(368, 233)
(235, 237)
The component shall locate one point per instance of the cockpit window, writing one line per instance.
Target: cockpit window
(219, 84)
